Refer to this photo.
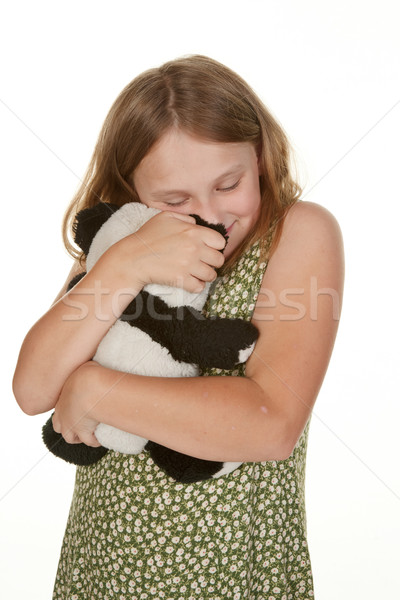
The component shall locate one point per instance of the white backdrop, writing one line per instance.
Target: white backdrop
(329, 71)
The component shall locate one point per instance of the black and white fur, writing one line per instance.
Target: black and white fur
(161, 333)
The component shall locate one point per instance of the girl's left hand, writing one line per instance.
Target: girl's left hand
(74, 412)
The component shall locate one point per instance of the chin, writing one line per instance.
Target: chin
(231, 247)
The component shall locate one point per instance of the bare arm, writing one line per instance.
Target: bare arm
(259, 417)
(77, 269)
(64, 338)
(69, 333)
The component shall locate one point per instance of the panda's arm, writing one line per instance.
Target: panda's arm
(188, 335)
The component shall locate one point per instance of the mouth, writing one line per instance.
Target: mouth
(229, 229)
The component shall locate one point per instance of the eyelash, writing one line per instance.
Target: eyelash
(228, 189)
(175, 203)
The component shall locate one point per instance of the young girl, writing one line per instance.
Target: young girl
(192, 137)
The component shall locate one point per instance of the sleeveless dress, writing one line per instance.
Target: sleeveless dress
(133, 533)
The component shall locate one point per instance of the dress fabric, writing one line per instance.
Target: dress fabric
(133, 533)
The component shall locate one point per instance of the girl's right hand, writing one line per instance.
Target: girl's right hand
(170, 249)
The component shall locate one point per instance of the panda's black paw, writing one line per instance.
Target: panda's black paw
(245, 353)
(228, 343)
(181, 467)
(77, 454)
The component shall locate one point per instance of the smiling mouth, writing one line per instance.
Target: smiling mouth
(229, 229)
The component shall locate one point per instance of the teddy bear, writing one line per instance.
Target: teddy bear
(162, 333)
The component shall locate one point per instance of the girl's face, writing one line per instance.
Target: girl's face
(219, 182)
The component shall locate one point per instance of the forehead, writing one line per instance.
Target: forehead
(179, 155)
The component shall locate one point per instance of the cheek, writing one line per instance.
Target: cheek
(248, 206)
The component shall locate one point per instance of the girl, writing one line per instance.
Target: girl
(192, 137)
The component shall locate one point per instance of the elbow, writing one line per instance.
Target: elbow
(276, 452)
(30, 406)
(276, 443)
(285, 451)
(286, 443)
(26, 399)
(29, 409)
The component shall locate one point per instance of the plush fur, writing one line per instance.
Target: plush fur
(161, 333)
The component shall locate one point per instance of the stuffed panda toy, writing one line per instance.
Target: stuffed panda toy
(161, 333)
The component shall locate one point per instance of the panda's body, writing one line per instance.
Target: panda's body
(161, 333)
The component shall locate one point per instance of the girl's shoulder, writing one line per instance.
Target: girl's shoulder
(304, 212)
(309, 226)
(310, 244)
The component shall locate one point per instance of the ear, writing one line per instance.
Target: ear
(88, 222)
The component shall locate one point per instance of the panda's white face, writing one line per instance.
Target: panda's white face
(128, 219)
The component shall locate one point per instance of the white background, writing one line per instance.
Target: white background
(329, 71)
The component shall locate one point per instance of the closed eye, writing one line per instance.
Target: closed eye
(230, 188)
(227, 189)
(179, 203)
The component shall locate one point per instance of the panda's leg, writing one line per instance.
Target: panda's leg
(215, 342)
(77, 454)
(181, 467)
(189, 336)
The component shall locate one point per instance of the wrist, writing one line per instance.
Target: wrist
(98, 383)
(114, 275)
(124, 261)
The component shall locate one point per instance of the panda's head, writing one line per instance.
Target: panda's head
(128, 219)
(178, 296)
(124, 221)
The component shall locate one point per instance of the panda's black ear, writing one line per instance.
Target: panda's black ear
(88, 222)
(216, 226)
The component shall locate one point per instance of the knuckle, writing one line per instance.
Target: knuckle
(191, 234)
(90, 440)
(87, 441)
(216, 240)
(69, 437)
(195, 286)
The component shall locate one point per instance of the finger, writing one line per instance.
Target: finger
(180, 216)
(71, 438)
(56, 424)
(89, 439)
(193, 285)
(212, 257)
(204, 273)
(213, 239)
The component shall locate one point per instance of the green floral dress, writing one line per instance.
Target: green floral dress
(134, 533)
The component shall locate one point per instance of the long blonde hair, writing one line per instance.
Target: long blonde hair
(206, 99)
